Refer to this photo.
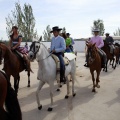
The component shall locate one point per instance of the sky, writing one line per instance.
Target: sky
(76, 16)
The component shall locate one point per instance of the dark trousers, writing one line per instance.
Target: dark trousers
(62, 65)
(71, 48)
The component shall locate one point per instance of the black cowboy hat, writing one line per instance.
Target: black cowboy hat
(107, 33)
(56, 28)
(68, 34)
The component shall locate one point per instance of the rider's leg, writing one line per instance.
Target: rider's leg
(27, 62)
(86, 64)
(104, 56)
(62, 68)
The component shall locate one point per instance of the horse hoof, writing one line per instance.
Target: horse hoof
(94, 90)
(40, 107)
(66, 97)
(60, 85)
(74, 94)
(58, 89)
(50, 109)
(98, 86)
(28, 86)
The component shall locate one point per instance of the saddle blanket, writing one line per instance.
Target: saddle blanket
(70, 56)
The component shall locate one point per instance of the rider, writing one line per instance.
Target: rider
(58, 46)
(14, 44)
(99, 44)
(68, 42)
(72, 41)
(109, 40)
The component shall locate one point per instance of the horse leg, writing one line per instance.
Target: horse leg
(97, 79)
(28, 73)
(68, 89)
(16, 83)
(51, 96)
(93, 79)
(41, 83)
(73, 80)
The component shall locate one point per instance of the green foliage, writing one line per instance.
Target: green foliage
(117, 32)
(99, 25)
(46, 34)
(24, 19)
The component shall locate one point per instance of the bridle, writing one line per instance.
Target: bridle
(35, 52)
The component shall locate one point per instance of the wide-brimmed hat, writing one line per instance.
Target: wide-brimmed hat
(68, 34)
(95, 30)
(56, 28)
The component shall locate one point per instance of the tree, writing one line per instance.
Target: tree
(117, 32)
(99, 25)
(46, 34)
(64, 30)
(24, 19)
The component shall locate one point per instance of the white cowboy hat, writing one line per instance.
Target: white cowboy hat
(95, 30)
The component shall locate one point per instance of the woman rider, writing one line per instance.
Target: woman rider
(15, 42)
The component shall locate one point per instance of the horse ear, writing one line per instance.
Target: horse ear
(94, 44)
(40, 39)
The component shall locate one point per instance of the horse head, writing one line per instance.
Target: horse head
(92, 51)
(34, 48)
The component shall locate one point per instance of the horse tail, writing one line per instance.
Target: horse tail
(11, 103)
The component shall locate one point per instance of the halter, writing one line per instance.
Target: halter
(33, 46)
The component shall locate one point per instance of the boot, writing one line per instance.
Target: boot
(86, 65)
(27, 64)
(62, 76)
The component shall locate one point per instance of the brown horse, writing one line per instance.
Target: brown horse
(13, 65)
(8, 95)
(110, 56)
(94, 62)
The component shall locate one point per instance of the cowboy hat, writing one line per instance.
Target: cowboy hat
(56, 28)
(107, 33)
(68, 34)
(95, 30)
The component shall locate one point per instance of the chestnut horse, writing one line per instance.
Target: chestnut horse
(110, 56)
(13, 65)
(94, 62)
(9, 97)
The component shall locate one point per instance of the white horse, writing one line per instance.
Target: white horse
(47, 71)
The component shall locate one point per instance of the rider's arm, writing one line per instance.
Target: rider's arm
(62, 46)
(10, 42)
(101, 43)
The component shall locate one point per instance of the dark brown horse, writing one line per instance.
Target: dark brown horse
(13, 65)
(94, 62)
(9, 97)
(110, 56)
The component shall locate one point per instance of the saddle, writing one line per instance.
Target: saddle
(57, 61)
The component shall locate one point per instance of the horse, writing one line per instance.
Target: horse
(110, 56)
(94, 62)
(9, 97)
(13, 65)
(117, 52)
(47, 71)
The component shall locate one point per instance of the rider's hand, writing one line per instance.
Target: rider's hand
(53, 51)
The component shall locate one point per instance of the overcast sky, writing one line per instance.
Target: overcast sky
(76, 16)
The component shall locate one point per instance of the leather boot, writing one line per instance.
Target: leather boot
(62, 76)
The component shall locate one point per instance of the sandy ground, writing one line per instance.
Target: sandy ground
(103, 105)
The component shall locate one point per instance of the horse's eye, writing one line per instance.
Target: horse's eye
(36, 46)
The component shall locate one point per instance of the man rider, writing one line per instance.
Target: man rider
(58, 46)
(109, 40)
